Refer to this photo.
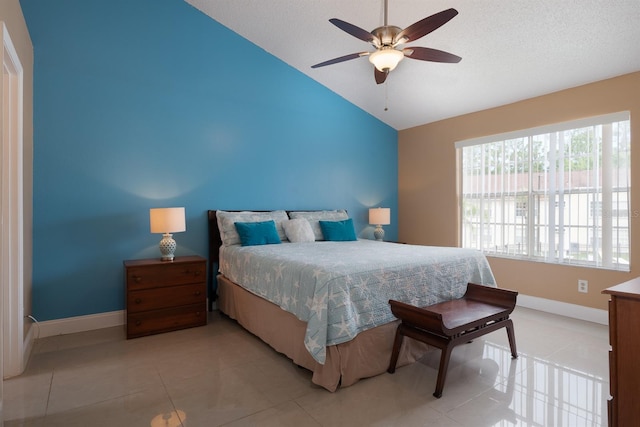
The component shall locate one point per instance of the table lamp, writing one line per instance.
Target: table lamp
(379, 217)
(167, 221)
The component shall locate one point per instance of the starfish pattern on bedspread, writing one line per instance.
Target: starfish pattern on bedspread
(342, 288)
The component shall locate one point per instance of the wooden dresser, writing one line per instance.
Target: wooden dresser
(624, 369)
(165, 296)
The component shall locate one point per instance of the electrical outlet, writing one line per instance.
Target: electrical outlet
(583, 286)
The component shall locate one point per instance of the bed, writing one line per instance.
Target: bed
(324, 303)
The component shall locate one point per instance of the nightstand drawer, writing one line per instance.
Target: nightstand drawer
(165, 297)
(143, 277)
(170, 319)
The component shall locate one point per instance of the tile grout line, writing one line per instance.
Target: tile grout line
(46, 408)
(164, 386)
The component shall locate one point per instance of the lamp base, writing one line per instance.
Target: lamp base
(378, 233)
(167, 247)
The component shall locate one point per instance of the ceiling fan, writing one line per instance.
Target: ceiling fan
(388, 38)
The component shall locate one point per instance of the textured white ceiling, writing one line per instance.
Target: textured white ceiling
(511, 49)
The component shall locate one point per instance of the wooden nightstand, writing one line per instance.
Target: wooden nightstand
(164, 296)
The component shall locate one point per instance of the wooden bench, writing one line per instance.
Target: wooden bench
(481, 310)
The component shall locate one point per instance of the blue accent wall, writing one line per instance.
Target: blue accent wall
(150, 103)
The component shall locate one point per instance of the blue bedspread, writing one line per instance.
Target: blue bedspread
(343, 288)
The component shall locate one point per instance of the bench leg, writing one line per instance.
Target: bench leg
(442, 370)
(397, 343)
(512, 338)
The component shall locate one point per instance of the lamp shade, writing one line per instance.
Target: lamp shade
(380, 216)
(386, 58)
(167, 220)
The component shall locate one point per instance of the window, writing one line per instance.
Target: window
(556, 194)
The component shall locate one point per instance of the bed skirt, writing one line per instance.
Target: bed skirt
(365, 356)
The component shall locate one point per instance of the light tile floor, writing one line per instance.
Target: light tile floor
(221, 375)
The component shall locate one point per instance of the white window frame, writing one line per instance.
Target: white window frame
(555, 219)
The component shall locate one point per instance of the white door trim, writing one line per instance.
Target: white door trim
(11, 209)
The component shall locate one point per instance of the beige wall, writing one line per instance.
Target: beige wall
(427, 199)
(11, 15)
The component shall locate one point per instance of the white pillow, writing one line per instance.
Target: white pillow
(227, 223)
(298, 230)
(314, 218)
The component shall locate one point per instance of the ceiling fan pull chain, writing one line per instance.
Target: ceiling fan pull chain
(386, 95)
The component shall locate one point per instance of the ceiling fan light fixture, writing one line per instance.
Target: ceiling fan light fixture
(386, 59)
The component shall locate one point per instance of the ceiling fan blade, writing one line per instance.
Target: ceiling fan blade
(341, 59)
(380, 76)
(353, 30)
(425, 26)
(428, 54)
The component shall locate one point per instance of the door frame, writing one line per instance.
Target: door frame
(11, 209)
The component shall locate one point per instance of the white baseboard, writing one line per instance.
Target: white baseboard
(72, 325)
(564, 309)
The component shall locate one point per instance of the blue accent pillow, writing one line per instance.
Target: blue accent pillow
(338, 231)
(257, 233)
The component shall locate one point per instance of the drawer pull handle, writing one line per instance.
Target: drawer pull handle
(138, 323)
(197, 293)
(138, 300)
(188, 272)
(137, 279)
